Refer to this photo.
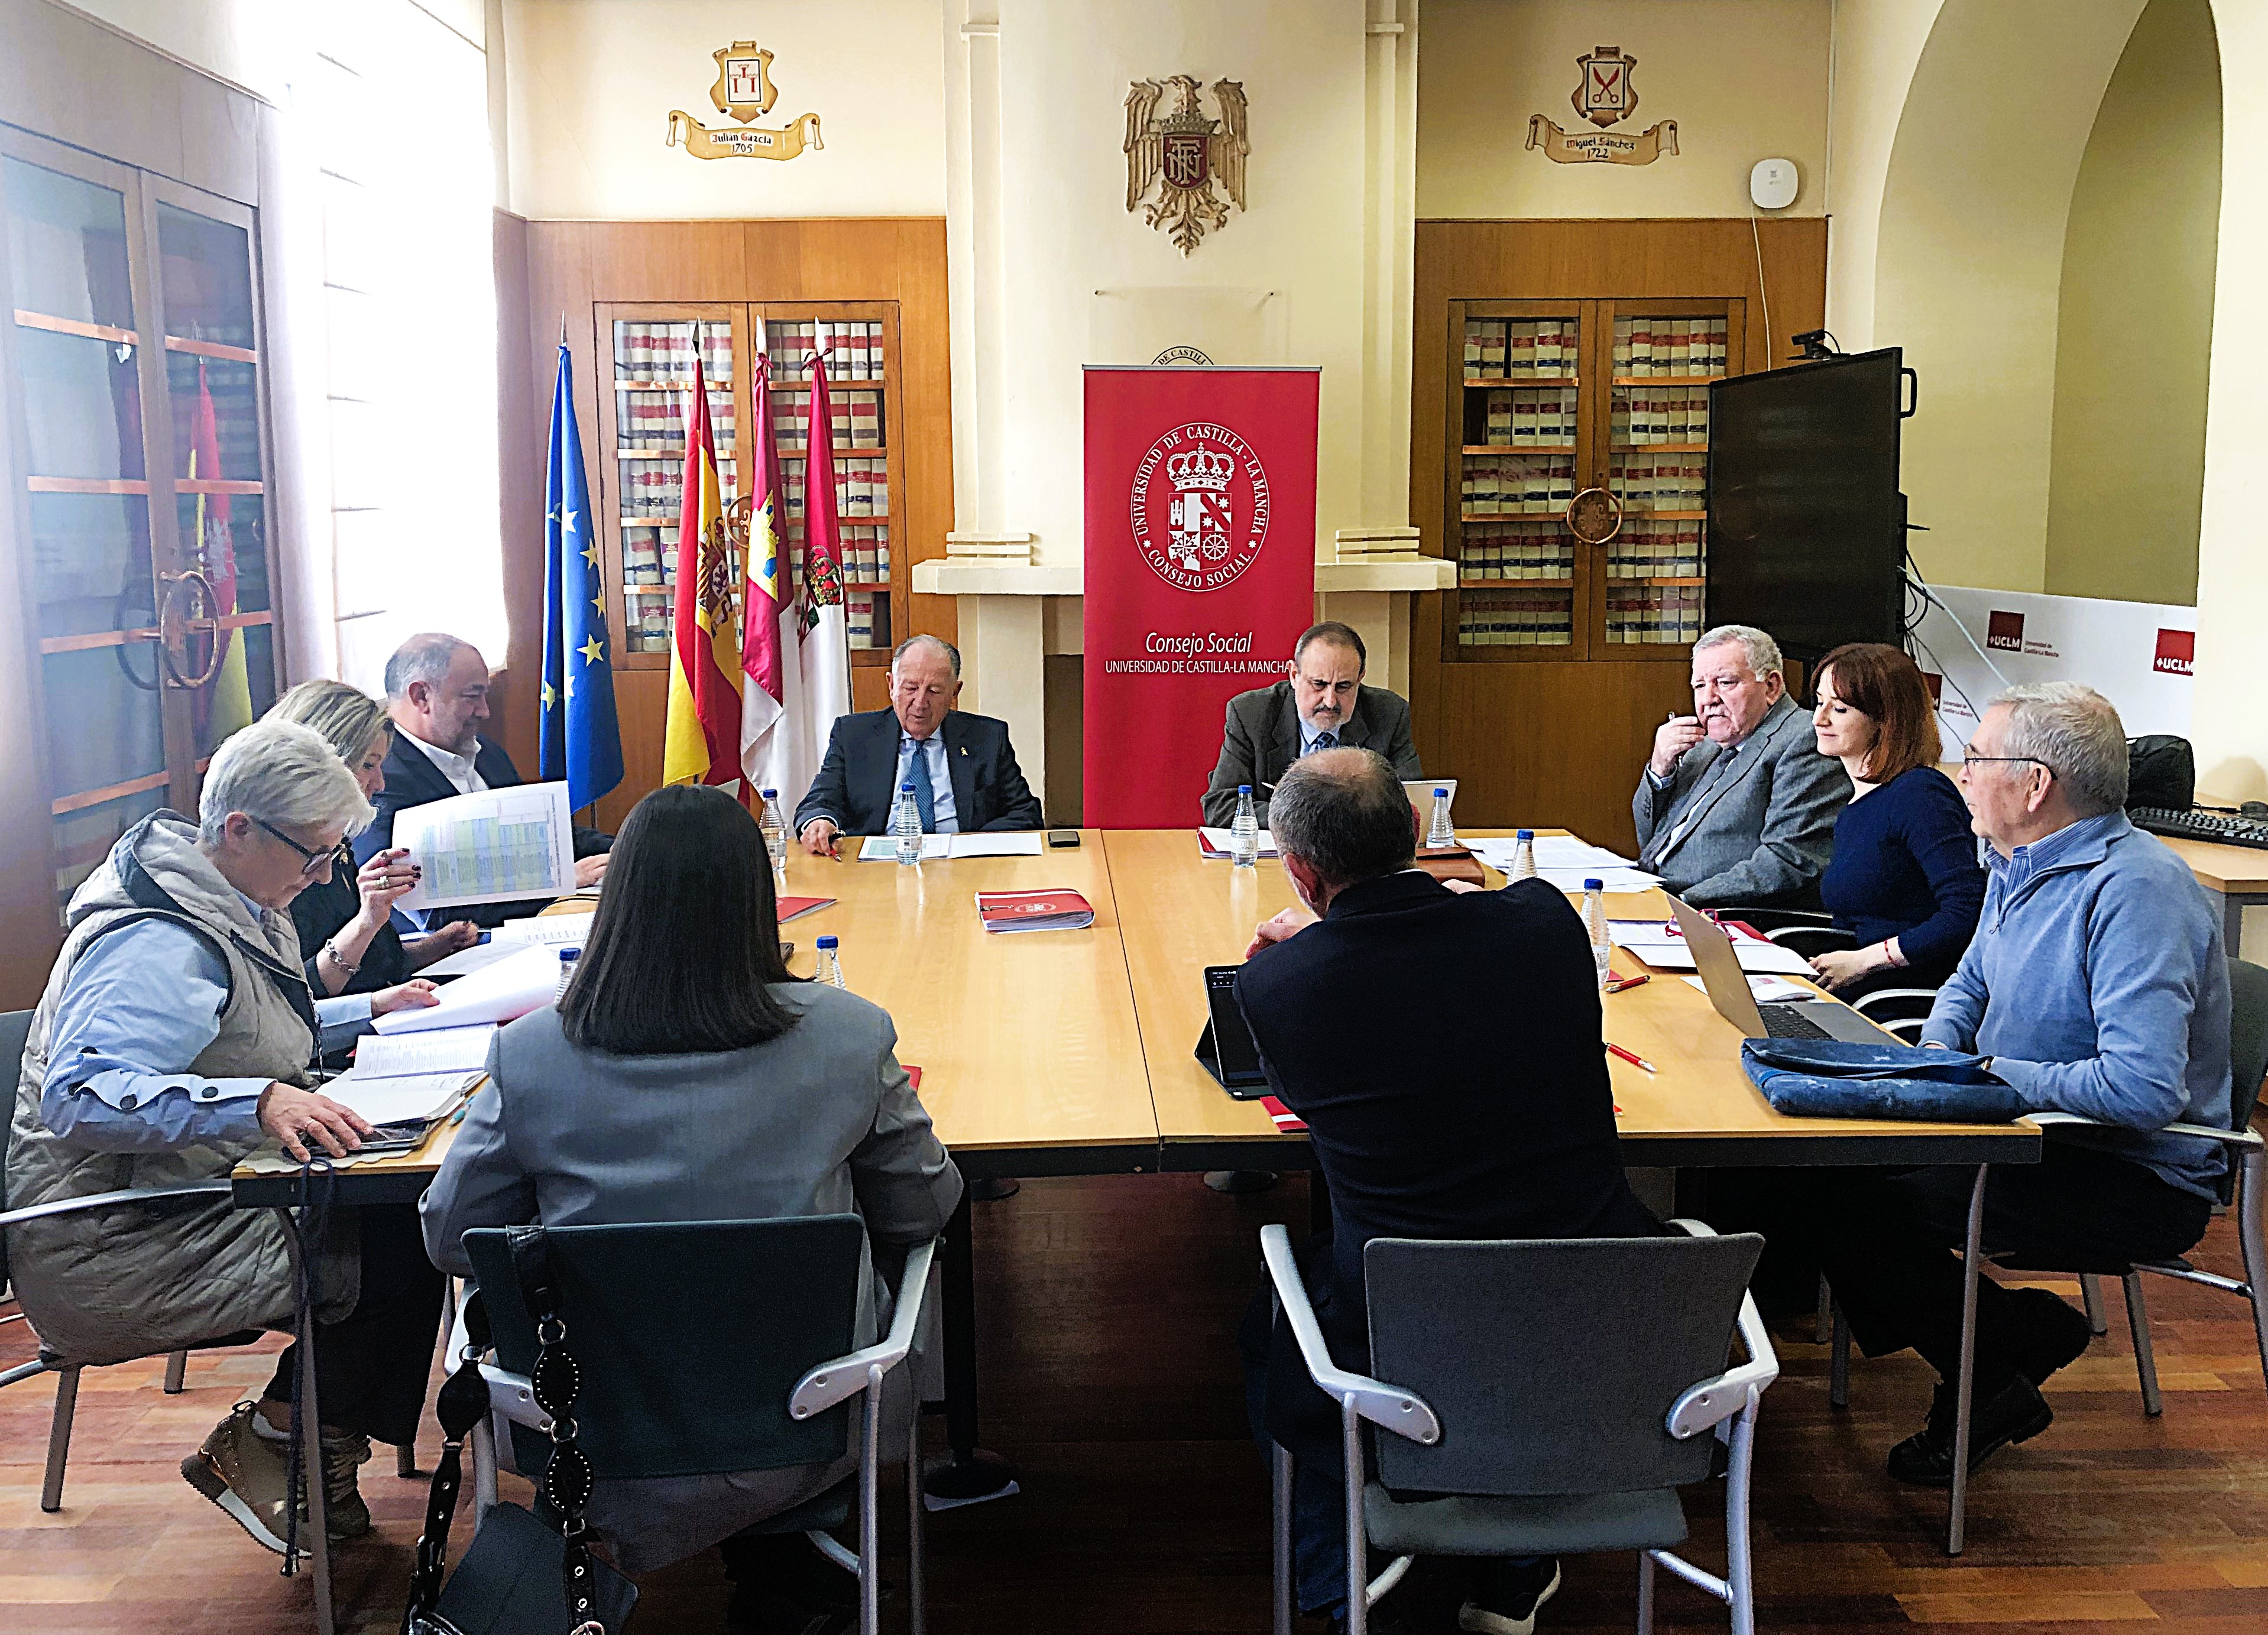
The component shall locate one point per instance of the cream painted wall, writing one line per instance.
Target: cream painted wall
(2135, 326)
(589, 85)
(2230, 725)
(1970, 262)
(1063, 73)
(1877, 46)
(1744, 80)
(250, 43)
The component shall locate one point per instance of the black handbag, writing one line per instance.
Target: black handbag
(520, 1576)
(2161, 771)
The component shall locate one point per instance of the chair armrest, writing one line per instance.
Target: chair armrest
(513, 1395)
(1702, 1406)
(1387, 1406)
(104, 1200)
(1812, 940)
(831, 1382)
(2247, 1139)
(1860, 1004)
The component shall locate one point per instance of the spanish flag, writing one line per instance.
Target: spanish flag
(701, 742)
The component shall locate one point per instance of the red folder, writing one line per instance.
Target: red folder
(796, 908)
(1060, 909)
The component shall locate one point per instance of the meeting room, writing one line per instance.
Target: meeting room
(1338, 817)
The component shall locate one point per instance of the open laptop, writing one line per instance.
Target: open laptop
(1728, 991)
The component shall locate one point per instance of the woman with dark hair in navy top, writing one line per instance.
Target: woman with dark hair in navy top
(1904, 879)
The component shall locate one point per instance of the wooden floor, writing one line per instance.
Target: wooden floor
(1107, 1311)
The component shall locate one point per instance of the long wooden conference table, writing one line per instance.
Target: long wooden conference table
(1072, 1052)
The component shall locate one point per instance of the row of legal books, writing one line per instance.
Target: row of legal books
(1659, 415)
(1660, 482)
(866, 614)
(655, 421)
(1648, 615)
(856, 419)
(647, 351)
(1670, 550)
(862, 489)
(656, 488)
(1500, 349)
(853, 347)
(1492, 551)
(1495, 485)
(1503, 619)
(650, 554)
(1669, 346)
(1536, 415)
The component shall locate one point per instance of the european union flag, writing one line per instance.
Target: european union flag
(581, 741)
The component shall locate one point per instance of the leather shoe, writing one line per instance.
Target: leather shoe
(2014, 1413)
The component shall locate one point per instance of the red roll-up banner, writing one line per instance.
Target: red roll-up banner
(1200, 570)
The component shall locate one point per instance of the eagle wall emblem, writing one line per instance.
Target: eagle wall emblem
(1181, 153)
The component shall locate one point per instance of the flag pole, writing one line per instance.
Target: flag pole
(563, 326)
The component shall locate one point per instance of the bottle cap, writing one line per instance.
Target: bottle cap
(768, 794)
(1594, 884)
(1525, 834)
(1438, 793)
(1244, 789)
(827, 942)
(568, 956)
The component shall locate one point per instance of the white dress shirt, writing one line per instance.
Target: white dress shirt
(462, 774)
(932, 753)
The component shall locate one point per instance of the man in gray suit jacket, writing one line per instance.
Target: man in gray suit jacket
(1322, 705)
(1737, 804)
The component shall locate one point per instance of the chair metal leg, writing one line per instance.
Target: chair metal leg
(59, 1430)
(1358, 1539)
(405, 1460)
(1645, 1592)
(1739, 1564)
(2251, 1197)
(1838, 1362)
(316, 1534)
(484, 1469)
(916, 1511)
(1964, 1390)
(2090, 1295)
(870, 1510)
(2146, 1361)
(24, 1370)
(1279, 1460)
(176, 1368)
(1822, 1324)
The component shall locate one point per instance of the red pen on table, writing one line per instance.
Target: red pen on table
(1617, 983)
(1631, 1056)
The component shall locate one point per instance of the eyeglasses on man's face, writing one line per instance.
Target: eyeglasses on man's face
(315, 859)
(1967, 762)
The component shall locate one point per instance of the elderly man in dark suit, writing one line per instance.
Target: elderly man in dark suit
(437, 693)
(962, 766)
(1737, 806)
(1462, 1120)
(1322, 704)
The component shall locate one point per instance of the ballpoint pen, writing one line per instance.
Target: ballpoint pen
(1631, 1056)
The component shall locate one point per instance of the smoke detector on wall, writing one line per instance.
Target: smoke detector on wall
(1772, 184)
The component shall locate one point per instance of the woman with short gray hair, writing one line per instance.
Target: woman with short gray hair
(175, 1036)
(347, 939)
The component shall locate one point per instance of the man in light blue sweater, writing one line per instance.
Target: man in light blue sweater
(2097, 985)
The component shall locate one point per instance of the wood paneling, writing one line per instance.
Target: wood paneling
(1541, 743)
(567, 267)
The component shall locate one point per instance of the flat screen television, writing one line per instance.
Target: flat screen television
(1807, 526)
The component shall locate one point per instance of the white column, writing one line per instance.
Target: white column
(975, 260)
(1390, 230)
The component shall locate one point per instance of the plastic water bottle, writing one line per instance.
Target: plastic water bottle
(906, 824)
(775, 831)
(1594, 921)
(1439, 832)
(1523, 856)
(569, 959)
(830, 963)
(1244, 831)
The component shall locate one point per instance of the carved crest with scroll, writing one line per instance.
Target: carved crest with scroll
(1183, 153)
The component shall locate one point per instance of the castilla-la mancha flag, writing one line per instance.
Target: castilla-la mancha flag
(771, 633)
(701, 737)
(1200, 570)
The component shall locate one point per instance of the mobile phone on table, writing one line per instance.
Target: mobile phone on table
(1063, 837)
(401, 1138)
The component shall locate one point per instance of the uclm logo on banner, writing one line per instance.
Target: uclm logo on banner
(1199, 506)
(2005, 631)
(2177, 651)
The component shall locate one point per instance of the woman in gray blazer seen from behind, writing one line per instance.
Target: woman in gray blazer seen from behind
(685, 1076)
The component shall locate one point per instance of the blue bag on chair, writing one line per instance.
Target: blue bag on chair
(1834, 1079)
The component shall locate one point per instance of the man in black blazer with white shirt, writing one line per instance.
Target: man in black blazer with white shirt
(1322, 704)
(1480, 1109)
(963, 766)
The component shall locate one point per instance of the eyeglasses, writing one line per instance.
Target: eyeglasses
(1969, 760)
(315, 859)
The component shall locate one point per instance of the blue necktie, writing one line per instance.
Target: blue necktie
(1326, 740)
(925, 793)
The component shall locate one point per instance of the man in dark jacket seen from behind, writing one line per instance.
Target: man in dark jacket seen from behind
(1446, 1124)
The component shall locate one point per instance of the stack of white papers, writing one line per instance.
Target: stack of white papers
(526, 980)
(1663, 946)
(1767, 989)
(939, 847)
(1217, 842)
(553, 931)
(400, 1077)
(1566, 862)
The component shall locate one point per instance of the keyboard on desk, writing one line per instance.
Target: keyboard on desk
(1788, 1022)
(2224, 828)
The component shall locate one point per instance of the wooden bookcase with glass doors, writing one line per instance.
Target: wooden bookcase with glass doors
(135, 397)
(646, 383)
(1605, 399)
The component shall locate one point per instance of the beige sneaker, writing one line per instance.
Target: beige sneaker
(345, 1515)
(247, 1475)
